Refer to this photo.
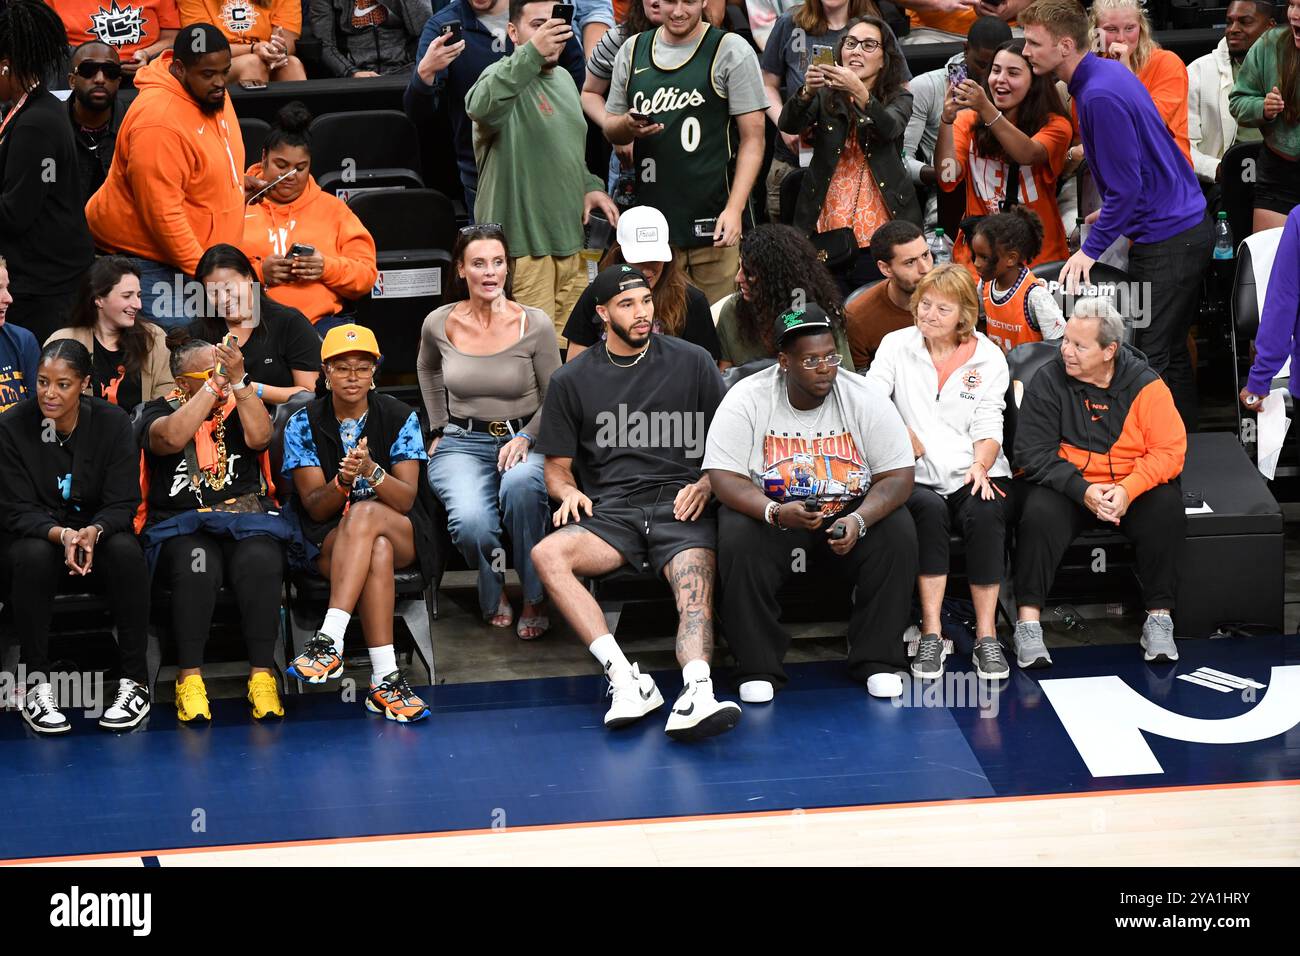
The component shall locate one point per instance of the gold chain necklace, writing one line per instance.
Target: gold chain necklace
(218, 477)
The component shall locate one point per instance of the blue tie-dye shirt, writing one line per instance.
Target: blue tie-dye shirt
(300, 449)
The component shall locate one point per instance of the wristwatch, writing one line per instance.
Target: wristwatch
(377, 477)
(242, 383)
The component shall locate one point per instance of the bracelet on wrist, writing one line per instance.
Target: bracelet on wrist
(768, 512)
(862, 524)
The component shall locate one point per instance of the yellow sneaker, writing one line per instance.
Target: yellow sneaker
(192, 699)
(264, 695)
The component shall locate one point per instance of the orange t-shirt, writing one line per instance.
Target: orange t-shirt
(958, 22)
(1165, 78)
(986, 182)
(126, 26)
(1007, 321)
(620, 10)
(244, 21)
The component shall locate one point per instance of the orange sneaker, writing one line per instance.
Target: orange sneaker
(317, 663)
(395, 700)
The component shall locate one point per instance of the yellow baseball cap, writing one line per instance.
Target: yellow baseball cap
(348, 338)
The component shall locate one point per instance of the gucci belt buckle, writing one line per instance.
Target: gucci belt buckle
(498, 429)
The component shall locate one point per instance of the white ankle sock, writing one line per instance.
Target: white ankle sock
(695, 670)
(335, 626)
(383, 661)
(606, 650)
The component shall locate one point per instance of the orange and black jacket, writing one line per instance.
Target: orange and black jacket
(1071, 434)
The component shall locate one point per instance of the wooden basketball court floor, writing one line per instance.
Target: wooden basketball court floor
(1101, 759)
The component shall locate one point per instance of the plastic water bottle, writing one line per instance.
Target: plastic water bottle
(940, 247)
(1076, 237)
(1223, 244)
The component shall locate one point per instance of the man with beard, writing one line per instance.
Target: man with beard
(176, 187)
(623, 429)
(1210, 126)
(902, 255)
(94, 76)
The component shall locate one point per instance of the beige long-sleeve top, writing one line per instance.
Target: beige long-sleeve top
(508, 384)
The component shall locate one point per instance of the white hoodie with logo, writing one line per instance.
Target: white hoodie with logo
(950, 420)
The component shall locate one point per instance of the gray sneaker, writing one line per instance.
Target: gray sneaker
(990, 662)
(1030, 649)
(930, 653)
(1158, 639)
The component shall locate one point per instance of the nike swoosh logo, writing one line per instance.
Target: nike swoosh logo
(640, 71)
(645, 694)
(360, 11)
(688, 711)
(1096, 418)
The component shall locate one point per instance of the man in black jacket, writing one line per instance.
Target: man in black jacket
(94, 77)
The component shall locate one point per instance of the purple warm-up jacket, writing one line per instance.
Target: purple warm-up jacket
(1279, 323)
(1148, 189)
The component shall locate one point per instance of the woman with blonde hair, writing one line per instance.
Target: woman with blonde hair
(1120, 30)
(962, 475)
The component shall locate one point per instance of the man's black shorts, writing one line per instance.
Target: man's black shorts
(645, 532)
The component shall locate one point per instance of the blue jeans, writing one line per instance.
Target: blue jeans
(479, 500)
(162, 300)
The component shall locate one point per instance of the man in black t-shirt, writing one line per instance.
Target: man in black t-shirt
(623, 430)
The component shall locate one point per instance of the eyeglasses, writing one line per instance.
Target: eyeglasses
(365, 370)
(202, 375)
(87, 69)
(868, 45)
(830, 361)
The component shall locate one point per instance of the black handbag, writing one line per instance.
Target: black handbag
(967, 226)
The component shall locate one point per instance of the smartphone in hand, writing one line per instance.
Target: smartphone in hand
(229, 340)
(453, 31)
(563, 11)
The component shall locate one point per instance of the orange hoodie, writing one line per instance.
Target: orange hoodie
(175, 186)
(1165, 78)
(316, 219)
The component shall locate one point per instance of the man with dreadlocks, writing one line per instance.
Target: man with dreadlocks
(43, 234)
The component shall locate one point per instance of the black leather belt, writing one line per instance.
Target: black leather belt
(497, 429)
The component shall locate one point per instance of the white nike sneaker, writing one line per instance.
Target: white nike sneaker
(633, 699)
(698, 714)
(756, 691)
(41, 711)
(129, 707)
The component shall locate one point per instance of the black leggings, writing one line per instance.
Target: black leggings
(119, 573)
(1155, 522)
(755, 560)
(983, 527)
(194, 567)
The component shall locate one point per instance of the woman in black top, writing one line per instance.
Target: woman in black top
(43, 231)
(130, 363)
(208, 491)
(281, 349)
(681, 309)
(68, 493)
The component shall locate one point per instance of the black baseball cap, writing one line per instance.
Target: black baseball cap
(810, 318)
(616, 280)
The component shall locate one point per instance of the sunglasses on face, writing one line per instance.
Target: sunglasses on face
(200, 376)
(868, 45)
(830, 361)
(365, 370)
(87, 69)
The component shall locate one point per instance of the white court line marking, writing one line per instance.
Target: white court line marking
(1191, 679)
(1245, 680)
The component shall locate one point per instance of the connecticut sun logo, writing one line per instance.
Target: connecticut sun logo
(970, 379)
(239, 15)
(118, 26)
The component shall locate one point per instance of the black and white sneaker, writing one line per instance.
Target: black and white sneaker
(931, 650)
(129, 707)
(42, 712)
(990, 662)
(698, 714)
(633, 698)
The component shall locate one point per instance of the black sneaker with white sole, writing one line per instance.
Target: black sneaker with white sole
(698, 714)
(129, 707)
(42, 713)
(990, 661)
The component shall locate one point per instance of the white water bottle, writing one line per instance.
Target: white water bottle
(1224, 247)
(940, 247)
